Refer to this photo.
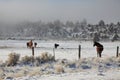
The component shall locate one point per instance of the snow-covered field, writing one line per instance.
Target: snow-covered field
(67, 48)
(87, 68)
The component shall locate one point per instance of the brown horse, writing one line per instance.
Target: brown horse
(29, 44)
(99, 48)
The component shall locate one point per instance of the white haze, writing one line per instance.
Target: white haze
(50, 10)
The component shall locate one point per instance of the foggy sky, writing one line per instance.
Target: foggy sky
(50, 10)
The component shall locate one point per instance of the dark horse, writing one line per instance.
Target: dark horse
(99, 48)
(56, 45)
(29, 44)
(35, 44)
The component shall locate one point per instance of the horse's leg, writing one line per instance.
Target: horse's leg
(97, 54)
(97, 49)
(100, 54)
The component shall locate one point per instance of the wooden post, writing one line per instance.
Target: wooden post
(33, 51)
(79, 54)
(55, 47)
(54, 53)
(117, 54)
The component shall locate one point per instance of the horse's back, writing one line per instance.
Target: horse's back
(29, 44)
(100, 48)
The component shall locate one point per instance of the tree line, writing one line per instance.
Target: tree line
(63, 30)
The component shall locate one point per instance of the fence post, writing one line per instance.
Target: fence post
(55, 47)
(54, 53)
(117, 54)
(33, 51)
(79, 54)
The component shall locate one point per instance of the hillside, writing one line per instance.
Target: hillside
(59, 30)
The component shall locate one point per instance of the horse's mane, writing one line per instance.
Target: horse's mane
(98, 44)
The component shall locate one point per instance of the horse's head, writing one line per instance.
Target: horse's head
(95, 43)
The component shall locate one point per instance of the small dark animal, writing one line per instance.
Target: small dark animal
(56, 45)
(99, 48)
(35, 44)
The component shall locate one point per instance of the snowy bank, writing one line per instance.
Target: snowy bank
(83, 69)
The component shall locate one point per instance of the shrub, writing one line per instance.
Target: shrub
(2, 64)
(46, 57)
(59, 68)
(13, 58)
(27, 59)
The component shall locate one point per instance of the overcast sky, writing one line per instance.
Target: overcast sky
(50, 10)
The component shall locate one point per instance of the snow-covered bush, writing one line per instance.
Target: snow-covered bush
(2, 64)
(44, 57)
(59, 68)
(13, 58)
(27, 59)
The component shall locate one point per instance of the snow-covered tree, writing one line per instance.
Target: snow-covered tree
(101, 23)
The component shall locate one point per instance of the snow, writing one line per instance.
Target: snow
(97, 71)
(68, 48)
(89, 67)
(79, 76)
